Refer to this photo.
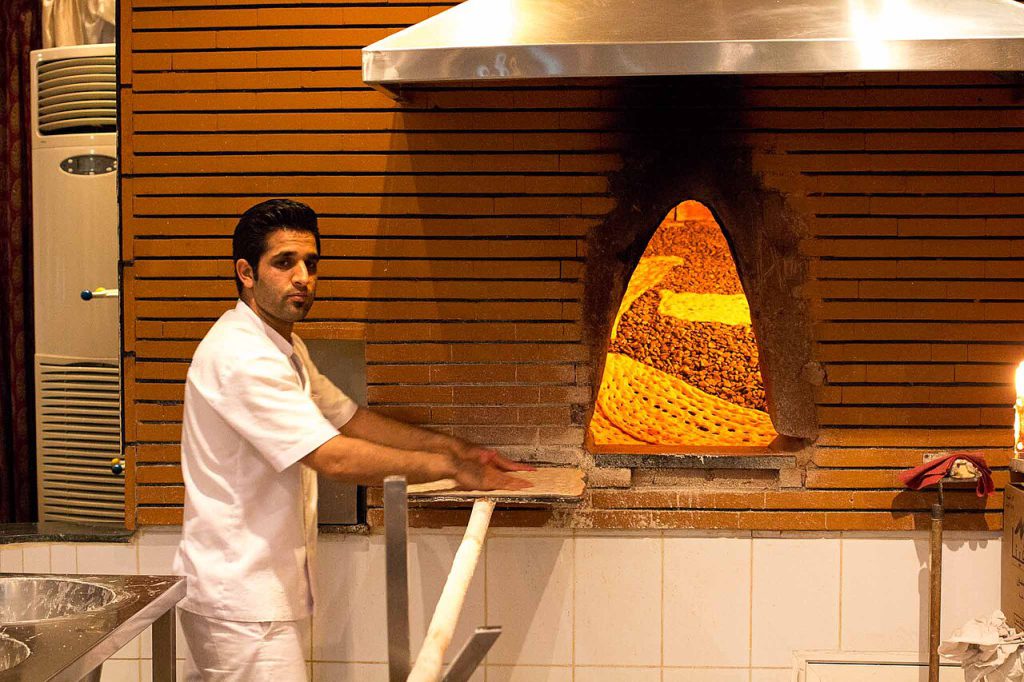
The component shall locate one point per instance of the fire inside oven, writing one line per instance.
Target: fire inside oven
(682, 366)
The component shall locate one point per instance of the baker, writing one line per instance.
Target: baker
(259, 422)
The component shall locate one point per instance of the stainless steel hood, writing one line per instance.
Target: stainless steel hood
(513, 40)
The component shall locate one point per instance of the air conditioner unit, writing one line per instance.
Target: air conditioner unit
(75, 256)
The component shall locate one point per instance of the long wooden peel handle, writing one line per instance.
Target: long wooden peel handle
(935, 592)
(446, 613)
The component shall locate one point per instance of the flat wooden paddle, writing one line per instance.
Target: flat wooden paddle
(551, 485)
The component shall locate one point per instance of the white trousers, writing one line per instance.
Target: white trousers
(236, 651)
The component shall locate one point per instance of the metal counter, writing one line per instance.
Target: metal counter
(67, 649)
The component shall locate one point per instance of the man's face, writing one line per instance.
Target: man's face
(286, 282)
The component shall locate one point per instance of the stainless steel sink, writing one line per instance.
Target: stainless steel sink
(12, 652)
(34, 599)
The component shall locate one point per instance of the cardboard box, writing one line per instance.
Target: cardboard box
(1012, 597)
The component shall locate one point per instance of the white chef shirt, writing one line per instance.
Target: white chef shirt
(254, 406)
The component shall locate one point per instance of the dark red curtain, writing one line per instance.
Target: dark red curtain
(20, 28)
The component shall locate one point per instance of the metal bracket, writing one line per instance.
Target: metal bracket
(472, 654)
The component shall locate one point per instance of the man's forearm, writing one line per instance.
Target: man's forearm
(371, 426)
(356, 460)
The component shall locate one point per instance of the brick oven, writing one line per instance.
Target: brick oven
(480, 238)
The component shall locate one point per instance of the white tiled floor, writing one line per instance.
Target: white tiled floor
(602, 607)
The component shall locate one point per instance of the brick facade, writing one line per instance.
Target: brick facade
(458, 231)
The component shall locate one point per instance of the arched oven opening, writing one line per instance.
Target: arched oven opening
(682, 369)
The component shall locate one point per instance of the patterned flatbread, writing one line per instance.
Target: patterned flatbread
(724, 308)
(648, 273)
(656, 407)
(607, 433)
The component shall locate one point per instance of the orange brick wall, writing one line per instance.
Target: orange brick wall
(455, 230)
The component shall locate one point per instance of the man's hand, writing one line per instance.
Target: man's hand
(470, 474)
(488, 456)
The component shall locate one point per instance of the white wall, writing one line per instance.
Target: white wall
(610, 607)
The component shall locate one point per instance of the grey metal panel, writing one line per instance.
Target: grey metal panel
(396, 565)
(537, 39)
(344, 363)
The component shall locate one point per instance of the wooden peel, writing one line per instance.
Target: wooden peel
(550, 486)
(449, 604)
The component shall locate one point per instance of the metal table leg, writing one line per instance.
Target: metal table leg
(164, 648)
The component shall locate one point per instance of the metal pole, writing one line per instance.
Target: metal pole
(396, 521)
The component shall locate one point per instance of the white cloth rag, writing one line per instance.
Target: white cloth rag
(988, 649)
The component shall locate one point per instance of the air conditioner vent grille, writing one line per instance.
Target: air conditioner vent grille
(79, 432)
(77, 94)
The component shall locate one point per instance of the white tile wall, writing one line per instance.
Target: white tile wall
(121, 671)
(349, 622)
(707, 601)
(528, 673)
(771, 675)
(795, 597)
(705, 675)
(617, 674)
(618, 600)
(529, 594)
(366, 672)
(108, 559)
(884, 580)
(603, 607)
(63, 558)
(430, 559)
(12, 559)
(156, 550)
(37, 558)
(970, 578)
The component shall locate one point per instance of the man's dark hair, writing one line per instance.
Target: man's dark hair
(250, 239)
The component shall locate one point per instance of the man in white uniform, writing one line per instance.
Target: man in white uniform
(259, 422)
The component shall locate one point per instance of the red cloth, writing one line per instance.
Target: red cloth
(929, 473)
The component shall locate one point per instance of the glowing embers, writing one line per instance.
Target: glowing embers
(682, 367)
